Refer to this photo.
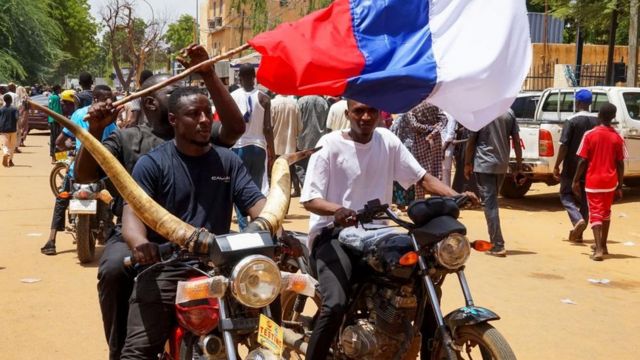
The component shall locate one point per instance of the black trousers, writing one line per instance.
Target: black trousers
(54, 132)
(115, 285)
(336, 275)
(60, 207)
(152, 311)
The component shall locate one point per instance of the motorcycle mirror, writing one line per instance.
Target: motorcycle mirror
(481, 245)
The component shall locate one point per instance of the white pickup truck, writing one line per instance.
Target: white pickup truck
(540, 136)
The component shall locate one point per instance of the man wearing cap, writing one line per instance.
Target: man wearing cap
(572, 134)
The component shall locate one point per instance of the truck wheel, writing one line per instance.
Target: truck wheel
(512, 190)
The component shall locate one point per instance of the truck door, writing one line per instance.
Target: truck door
(629, 127)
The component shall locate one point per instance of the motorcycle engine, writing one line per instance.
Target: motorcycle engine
(382, 334)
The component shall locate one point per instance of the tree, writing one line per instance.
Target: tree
(593, 17)
(180, 34)
(130, 39)
(29, 45)
(79, 43)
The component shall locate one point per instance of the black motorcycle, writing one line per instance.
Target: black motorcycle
(405, 272)
(90, 217)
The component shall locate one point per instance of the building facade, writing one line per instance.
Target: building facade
(224, 27)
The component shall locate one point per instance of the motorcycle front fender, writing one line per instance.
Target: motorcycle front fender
(469, 315)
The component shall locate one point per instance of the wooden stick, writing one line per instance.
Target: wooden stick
(180, 76)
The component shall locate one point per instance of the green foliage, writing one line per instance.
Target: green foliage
(30, 41)
(593, 17)
(79, 37)
(180, 34)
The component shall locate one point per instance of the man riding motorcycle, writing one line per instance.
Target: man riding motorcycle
(353, 167)
(115, 281)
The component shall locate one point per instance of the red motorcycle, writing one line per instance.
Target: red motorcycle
(231, 303)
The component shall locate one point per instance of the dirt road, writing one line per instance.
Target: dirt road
(58, 317)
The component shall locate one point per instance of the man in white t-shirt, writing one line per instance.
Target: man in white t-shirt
(352, 167)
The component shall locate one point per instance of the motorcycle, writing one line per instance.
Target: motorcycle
(405, 273)
(59, 171)
(230, 303)
(90, 216)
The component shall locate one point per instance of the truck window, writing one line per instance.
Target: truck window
(598, 100)
(632, 103)
(524, 107)
(551, 102)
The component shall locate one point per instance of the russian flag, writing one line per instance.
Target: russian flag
(468, 57)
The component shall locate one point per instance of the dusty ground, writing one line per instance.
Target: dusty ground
(58, 317)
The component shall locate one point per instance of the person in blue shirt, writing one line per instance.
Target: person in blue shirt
(100, 93)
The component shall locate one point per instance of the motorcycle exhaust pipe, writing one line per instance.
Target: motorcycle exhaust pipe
(295, 341)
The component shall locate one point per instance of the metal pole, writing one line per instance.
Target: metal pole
(197, 22)
(579, 47)
(632, 69)
(609, 80)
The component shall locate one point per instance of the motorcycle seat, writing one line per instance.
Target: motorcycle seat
(423, 211)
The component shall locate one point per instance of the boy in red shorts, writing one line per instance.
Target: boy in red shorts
(602, 155)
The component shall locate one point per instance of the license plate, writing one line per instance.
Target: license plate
(61, 155)
(82, 206)
(270, 335)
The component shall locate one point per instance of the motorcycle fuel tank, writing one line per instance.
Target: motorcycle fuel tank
(388, 253)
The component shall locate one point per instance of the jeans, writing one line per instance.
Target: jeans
(152, 311)
(577, 209)
(254, 158)
(488, 186)
(336, 275)
(60, 208)
(115, 285)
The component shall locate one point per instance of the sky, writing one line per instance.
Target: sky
(172, 8)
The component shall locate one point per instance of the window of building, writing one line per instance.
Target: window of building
(284, 3)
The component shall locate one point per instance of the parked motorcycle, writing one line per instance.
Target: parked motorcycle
(407, 270)
(229, 305)
(90, 216)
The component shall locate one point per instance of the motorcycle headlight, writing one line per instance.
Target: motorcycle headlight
(255, 281)
(453, 251)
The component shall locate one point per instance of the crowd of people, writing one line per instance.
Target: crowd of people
(200, 153)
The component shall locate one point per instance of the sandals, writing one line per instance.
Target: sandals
(49, 248)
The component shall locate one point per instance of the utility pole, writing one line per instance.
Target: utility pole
(613, 26)
(632, 68)
(579, 47)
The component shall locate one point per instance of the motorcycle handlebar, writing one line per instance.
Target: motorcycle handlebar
(164, 250)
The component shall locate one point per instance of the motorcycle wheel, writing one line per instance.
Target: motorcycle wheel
(56, 178)
(481, 340)
(86, 242)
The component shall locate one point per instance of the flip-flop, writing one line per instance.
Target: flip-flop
(48, 249)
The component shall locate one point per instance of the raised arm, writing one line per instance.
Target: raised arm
(233, 125)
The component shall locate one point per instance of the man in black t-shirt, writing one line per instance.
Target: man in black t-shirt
(572, 133)
(115, 282)
(195, 181)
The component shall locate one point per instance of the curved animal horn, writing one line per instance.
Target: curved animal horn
(152, 214)
(275, 209)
